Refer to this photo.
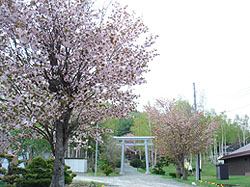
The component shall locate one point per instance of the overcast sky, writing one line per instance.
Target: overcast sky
(206, 42)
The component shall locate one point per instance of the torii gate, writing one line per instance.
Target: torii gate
(135, 138)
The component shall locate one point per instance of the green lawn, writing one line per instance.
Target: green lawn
(96, 184)
(209, 174)
(100, 173)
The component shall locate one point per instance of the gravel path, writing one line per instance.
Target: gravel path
(132, 178)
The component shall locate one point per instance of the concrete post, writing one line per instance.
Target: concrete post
(146, 156)
(122, 159)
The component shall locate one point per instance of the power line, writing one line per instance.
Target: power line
(236, 94)
(238, 108)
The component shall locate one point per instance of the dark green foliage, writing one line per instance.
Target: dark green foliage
(158, 169)
(143, 164)
(2, 170)
(11, 175)
(166, 161)
(110, 153)
(34, 182)
(118, 163)
(33, 146)
(38, 168)
(107, 169)
(172, 175)
(124, 126)
(18, 170)
(101, 164)
(38, 173)
(2, 183)
(68, 175)
(10, 178)
(136, 163)
(9, 185)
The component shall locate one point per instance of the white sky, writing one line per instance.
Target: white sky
(206, 42)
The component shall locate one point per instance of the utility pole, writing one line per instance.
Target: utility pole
(96, 154)
(197, 163)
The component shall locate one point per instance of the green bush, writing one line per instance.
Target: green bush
(68, 175)
(136, 163)
(2, 183)
(39, 169)
(143, 164)
(118, 163)
(172, 175)
(9, 185)
(18, 170)
(39, 173)
(34, 182)
(158, 169)
(101, 164)
(107, 169)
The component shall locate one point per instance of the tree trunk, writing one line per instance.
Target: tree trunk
(59, 164)
(239, 139)
(182, 167)
(178, 171)
(152, 157)
(184, 172)
(215, 151)
(244, 137)
(92, 162)
(220, 153)
(200, 160)
(155, 161)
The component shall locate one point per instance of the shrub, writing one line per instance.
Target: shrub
(136, 163)
(174, 175)
(118, 163)
(158, 169)
(39, 168)
(68, 175)
(143, 164)
(107, 169)
(165, 161)
(9, 185)
(34, 182)
(39, 173)
(10, 176)
(101, 164)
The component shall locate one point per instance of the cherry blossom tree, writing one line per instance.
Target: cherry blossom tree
(65, 66)
(179, 131)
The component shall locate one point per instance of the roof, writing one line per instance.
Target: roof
(243, 151)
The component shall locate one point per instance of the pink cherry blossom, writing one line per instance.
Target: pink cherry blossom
(179, 131)
(63, 66)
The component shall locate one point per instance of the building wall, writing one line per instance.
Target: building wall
(239, 165)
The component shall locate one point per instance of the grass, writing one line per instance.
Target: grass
(144, 171)
(100, 173)
(2, 183)
(209, 174)
(98, 184)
